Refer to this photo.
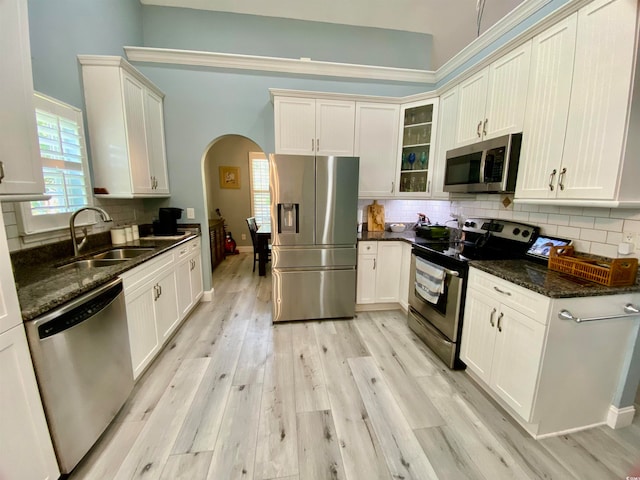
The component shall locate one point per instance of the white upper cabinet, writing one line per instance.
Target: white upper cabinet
(376, 143)
(305, 126)
(492, 102)
(545, 122)
(415, 158)
(446, 140)
(20, 165)
(126, 128)
(579, 144)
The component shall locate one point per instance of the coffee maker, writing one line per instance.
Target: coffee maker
(167, 221)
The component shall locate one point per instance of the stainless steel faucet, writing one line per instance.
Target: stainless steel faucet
(77, 247)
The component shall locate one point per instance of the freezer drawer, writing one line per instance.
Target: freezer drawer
(312, 257)
(313, 294)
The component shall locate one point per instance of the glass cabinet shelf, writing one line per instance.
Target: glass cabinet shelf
(415, 152)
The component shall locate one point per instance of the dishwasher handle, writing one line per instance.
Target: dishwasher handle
(78, 310)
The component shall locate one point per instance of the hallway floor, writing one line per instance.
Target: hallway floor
(234, 397)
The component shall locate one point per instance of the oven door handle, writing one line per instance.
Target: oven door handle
(453, 273)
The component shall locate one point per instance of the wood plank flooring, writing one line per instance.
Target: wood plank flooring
(234, 397)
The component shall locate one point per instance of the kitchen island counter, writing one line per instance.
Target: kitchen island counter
(540, 279)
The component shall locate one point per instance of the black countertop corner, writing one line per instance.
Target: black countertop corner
(540, 279)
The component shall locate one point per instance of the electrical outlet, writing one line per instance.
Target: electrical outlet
(191, 213)
(629, 237)
(244, 236)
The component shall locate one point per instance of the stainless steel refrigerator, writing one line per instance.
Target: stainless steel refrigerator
(314, 201)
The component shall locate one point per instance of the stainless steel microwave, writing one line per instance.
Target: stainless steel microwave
(488, 166)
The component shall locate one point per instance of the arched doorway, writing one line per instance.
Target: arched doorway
(227, 184)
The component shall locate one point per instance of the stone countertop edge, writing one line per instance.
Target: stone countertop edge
(42, 288)
(538, 278)
(406, 236)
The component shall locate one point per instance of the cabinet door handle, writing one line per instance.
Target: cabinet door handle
(478, 129)
(393, 186)
(561, 178)
(374, 263)
(155, 293)
(493, 312)
(317, 144)
(429, 186)
(484, 127)
(553, 174)
(159, 290)
(502, 291)
(313, 148)
(500, 318)
(1, 171)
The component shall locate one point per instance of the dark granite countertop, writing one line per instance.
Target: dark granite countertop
(42, 286)
(407, 236)
(540, 279)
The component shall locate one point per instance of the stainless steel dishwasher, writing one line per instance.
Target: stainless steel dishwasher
(82, 361)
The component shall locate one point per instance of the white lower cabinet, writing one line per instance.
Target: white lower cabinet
(552, 375)
(380, 267)
(25, 446)
(159, 294)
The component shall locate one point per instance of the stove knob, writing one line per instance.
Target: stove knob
(516, 231)
(526, 233)
(470, 224)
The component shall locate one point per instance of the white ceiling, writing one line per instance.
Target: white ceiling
(451, 22)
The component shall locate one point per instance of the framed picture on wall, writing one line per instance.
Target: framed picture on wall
(229, 177)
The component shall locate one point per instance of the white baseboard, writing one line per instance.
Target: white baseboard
(245, 248)
(620, 417)
(373, 307)
(207, 296)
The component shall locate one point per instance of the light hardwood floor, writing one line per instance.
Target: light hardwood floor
(234, 397)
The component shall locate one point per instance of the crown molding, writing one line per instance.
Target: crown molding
(275, 64)
(500, 28)
(116, 61)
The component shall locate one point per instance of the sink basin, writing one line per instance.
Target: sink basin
(95, 263)
(122, 253)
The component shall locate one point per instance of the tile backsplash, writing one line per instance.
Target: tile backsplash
(122, 211)
(593, 230)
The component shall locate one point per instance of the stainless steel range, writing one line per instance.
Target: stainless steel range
(439, 278)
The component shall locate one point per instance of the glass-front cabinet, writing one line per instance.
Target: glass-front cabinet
(417, 150)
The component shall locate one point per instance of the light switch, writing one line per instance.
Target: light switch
(191, 213)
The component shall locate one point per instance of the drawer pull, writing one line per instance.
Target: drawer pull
(502, 291)
(630, 311)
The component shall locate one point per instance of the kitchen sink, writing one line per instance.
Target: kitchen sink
(122, 253)
(93, 263)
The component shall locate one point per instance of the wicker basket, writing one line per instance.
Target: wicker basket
(617, 272)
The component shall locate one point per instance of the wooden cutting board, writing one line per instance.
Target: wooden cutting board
(375, 217)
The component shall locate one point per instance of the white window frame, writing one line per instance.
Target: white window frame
(254, 156)
(29, 224)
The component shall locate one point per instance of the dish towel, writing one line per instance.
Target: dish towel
(429, 280)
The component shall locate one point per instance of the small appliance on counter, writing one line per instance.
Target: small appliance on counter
(167, 223)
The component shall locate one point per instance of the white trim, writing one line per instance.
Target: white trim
(503, 26)
(277, 64)
(116, 61)
(567, 431)
(620, 417)
(372, 307)
(207, 295)
(372, 72)
(578, 203)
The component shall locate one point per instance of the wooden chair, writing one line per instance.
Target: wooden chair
(253, 229)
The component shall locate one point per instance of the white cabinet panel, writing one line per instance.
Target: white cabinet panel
(126, 128)
(478, 334)
(26, 450)
(492, 102)
(516, 361)
(597, 123)
(306, 126)
(446, 132)
(545, 121)
(166, 305)
(10, 315)
(20, 163)
(376, 143)
(389, 261)
(143, 334)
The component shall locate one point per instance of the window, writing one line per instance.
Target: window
(64, 167)
(260, 197)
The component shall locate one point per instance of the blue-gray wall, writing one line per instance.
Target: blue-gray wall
(181, 28)
(60, 30)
